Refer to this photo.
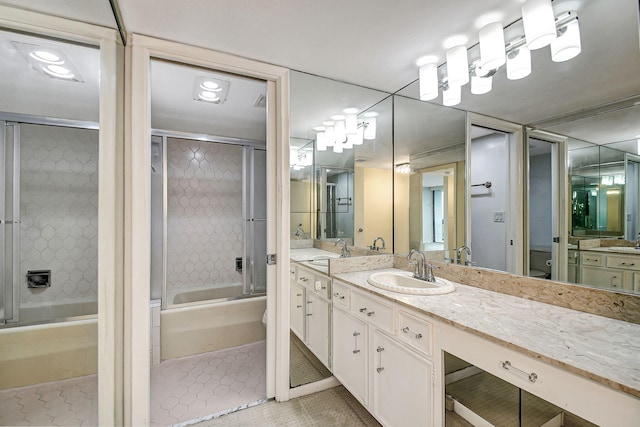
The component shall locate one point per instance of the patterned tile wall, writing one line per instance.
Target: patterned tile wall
(205, 222)
(59, 212)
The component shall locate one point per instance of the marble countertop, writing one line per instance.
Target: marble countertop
(305, 256)
(626, 251)
(599, 348)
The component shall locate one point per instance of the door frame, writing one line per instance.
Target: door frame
(559, 202)
(110, 190)
(515, 218)
(139, 52)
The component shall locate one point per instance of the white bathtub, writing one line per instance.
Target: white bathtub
(42, 312)
(194, 329)
(213, 292)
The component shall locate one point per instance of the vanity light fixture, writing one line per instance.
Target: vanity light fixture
(370, 125)
(340, 128)
(403, 168)
(539, 23)
(541, 28)
(428, 66)
(210, 89)
(567, 45)
(451, 95)
(50, 61)
(492, 53)
(329, 134)
(481, 82)
(351, 120)
(457, 66)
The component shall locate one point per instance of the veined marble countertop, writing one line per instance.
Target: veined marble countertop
(305, 256)
(599, 348)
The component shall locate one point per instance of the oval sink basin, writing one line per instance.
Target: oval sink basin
(406, 284)
(624, 249)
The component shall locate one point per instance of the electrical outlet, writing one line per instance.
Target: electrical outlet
(318, 285)
(498, 216)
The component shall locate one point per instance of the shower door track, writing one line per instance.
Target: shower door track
(48, 121)
(209, 138)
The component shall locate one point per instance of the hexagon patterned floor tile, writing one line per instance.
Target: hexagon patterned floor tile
(181, 389)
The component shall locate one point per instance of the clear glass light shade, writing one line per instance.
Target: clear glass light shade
(351, 123)
(539, 23)
(519, 63)
(481, 85)
(370, 128)
(340, 131)
(321, 142)
(457, 66)
(338, 148)
(451, 96)
(428, 82)
(330, 136)
(492, 53)
(567, 45)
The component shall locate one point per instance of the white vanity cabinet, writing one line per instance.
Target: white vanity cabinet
(310, 308)
(610, 270)
(382, 355)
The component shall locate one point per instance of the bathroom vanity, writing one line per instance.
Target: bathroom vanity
(388, 351)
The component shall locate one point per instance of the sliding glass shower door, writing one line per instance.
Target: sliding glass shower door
(208, 220)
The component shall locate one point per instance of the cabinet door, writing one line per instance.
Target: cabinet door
(318, 327)
(402, 384)
(296, 303)
(602, 278)
(350, 353)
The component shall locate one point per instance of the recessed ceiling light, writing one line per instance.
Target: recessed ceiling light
(210, 86)
(58, 71)
(46, 57)
(209, 96)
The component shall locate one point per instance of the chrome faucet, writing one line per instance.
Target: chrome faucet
(419, 272)
(466, 249)
(376, 248)
(429, 276)
(345, 252)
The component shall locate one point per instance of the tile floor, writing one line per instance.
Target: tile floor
(192, 387)
(181, 390)
(72, 402)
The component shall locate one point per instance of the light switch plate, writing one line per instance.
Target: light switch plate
(498, 216)
(318, 285)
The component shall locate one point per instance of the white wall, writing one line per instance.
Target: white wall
(489, 156)
(540, 220)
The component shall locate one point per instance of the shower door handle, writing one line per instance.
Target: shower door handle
(8, 221)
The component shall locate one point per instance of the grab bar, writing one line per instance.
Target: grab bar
(484, 184)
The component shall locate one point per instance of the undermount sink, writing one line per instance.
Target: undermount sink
(406, 284)
(624, 249)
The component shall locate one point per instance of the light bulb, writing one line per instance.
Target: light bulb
(451, 96)
(518, 63)
(428, 75)
(567, 45)
(539, 23)
(492, 46)
(457, 66)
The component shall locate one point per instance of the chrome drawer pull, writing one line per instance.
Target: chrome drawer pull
(406, 330)
(362, 310)
(631, 265)
(506, 365)
(371, 313)
(380, 368)
(355, 345)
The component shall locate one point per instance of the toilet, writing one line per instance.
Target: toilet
(537, 274)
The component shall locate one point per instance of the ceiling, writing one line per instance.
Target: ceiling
(375, 44)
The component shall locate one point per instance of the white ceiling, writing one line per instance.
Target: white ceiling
(375, 43)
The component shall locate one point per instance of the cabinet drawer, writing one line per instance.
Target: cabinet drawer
(627, 262)
(341, 295)
(372, 311)
(601, 278)
(305, 278)
(415, 332)
(322, 286)
(596, 260)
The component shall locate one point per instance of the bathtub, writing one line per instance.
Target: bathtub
(32, 313)
(200, 294)
(38, 353)
(208, 326)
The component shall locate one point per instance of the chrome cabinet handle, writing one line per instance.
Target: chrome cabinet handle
(416, 335)
(304, 279)
(362, 310)
(631, 264)
(380, 368)
(506, 365)
(371, 313)
(355, 346)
